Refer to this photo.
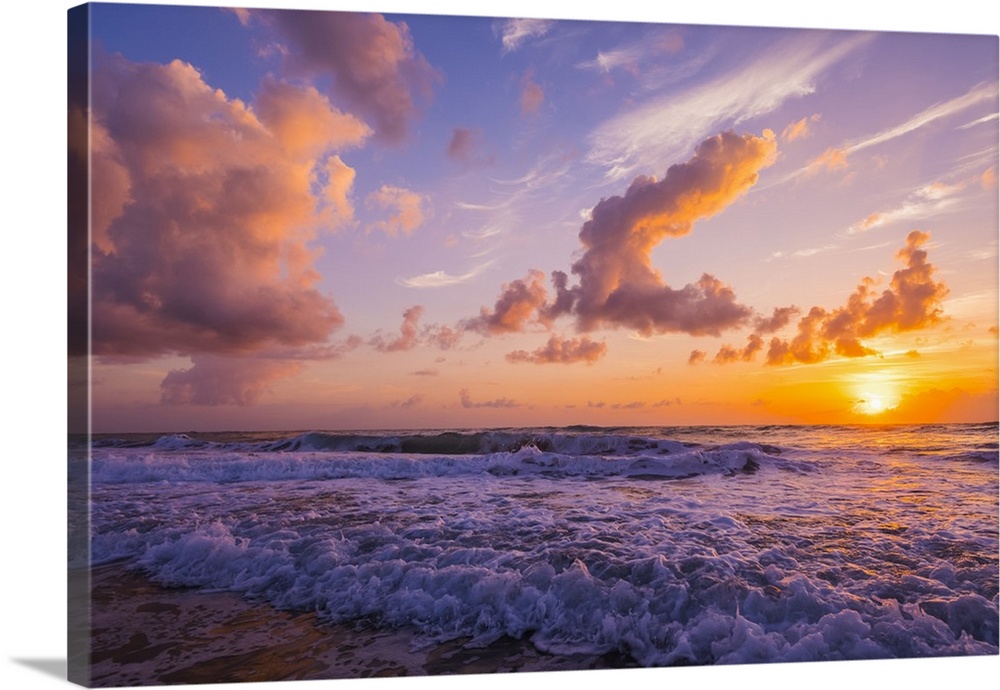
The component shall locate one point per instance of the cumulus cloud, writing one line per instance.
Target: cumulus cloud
(224, 380)
(518, 304)
(372, 61)
(728, 354)
(339, 182)
(208, 208)
(408, 209)
(412, 334)
(911, 301)
(618, 286)
(411, 402)
(304, 120)
(408, 333)
(205, 211)
(562, 351)
(779, 318)
(467, 402)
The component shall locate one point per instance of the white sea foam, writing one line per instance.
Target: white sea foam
(661, 551)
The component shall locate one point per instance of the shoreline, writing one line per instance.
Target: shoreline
(146, 634)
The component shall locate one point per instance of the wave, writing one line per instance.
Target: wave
(571, 441)
(211, 465)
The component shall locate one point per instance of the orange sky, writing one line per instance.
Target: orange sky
(537, 222)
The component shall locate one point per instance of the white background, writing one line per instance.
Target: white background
(33, 335)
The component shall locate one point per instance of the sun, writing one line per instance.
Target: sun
(874, 393)
(873, 404)
(876, 400)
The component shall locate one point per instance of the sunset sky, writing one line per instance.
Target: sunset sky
(360, 221)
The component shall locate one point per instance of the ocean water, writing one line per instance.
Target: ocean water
(655, 546)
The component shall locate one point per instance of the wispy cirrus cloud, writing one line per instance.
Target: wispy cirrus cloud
(663, 127)
(835, 158)
(799, 129)
(515, 32)
(437, 279)
(928, 201)
(636, 56)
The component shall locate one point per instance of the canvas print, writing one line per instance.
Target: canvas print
(421, 345)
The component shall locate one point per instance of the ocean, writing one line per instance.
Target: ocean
(638, 546)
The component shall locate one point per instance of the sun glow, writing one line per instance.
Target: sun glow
(875, 392)
(872, 404)
(875, 396)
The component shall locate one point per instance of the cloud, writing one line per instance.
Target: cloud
(412, 334)
(339, 179)
(984, 92)
(468, 403)
(224, 380)
(926, 202)
(800, 129)
(696, 357)
(208, 209)
(410, 209)
(514, 32)
(632, 56)
(836, 158)
(518, 304)
(408, 333)
(778, 320)
(911, 302)
(562, 351)
(532, 95)
(831, 159)
(988, 180)
(665, 126)
(442, 279)
(372, 61)
(463, 144)
(413, 401)
(618, 284)
(304, 120)
(728, 354)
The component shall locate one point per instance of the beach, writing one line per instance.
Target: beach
(145, 634)
(353, 555)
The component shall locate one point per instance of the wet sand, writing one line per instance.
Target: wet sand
(145, 634)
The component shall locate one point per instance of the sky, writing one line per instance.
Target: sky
(309, 220)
